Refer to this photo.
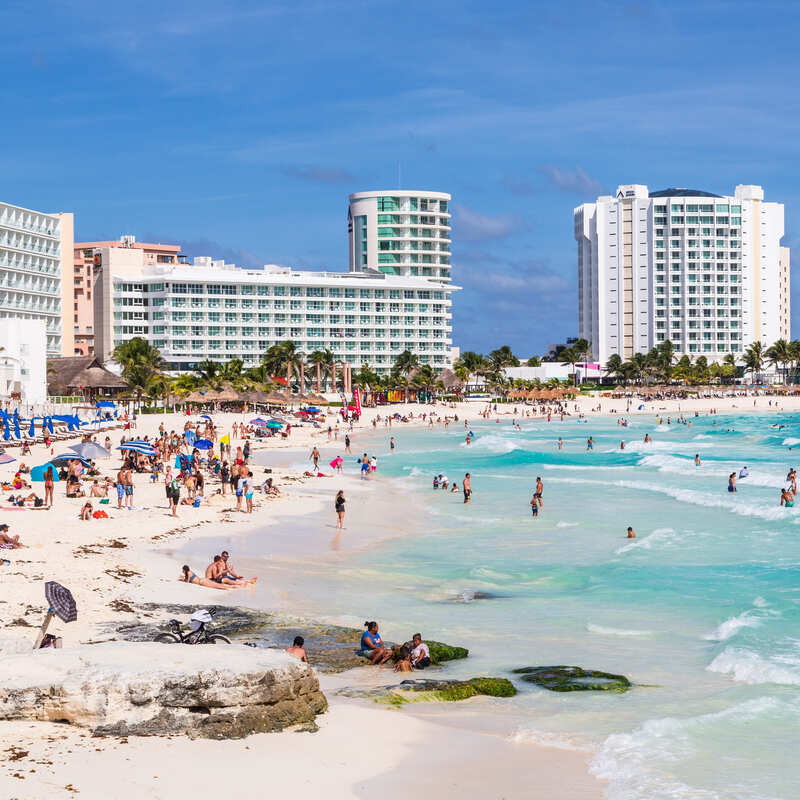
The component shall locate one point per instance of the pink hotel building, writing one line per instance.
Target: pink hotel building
(85, 261)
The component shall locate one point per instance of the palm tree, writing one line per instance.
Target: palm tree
(613, 365)
(570, 357)
(534, 361)
(404, 366)
(469, 364)
(207, 372)
(582, 348)
(323, 361)
(754, 359)
(284, 356)
(639, 364)
(780, 354)
(140, 363)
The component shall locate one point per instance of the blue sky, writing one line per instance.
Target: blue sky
(239, 129)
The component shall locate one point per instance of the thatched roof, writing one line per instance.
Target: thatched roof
(318, 400)
(276, 397)
(80, 372)
(449, 379)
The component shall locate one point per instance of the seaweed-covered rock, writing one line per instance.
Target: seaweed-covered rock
(574, 679)
(422, 690)
(441, 652)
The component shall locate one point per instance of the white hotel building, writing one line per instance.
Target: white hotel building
(36, 274)
(400, 232)
(213, 310)
(704, 271)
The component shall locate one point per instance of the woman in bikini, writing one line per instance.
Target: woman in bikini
(190, 577)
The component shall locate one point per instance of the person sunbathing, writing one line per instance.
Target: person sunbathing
(32, 500)
(98, 491)
(190, 577)
(217, 571)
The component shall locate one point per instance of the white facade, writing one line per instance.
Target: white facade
(555, 369)
(703, 271)
(33, 281)
(213, 310)
(400, 232)
(23, 360)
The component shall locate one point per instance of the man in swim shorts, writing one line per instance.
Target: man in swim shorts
(539, 489)
(467, 489)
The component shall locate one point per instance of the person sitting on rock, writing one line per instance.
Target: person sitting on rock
(420, 654)
(403, 660)
(297, 650)
(372, 645)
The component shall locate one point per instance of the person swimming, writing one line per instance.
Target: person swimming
(787, 498)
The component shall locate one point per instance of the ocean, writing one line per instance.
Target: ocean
(700, 610)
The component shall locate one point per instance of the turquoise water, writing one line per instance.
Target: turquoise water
(702, 607)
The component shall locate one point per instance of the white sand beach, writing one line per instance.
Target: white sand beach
(112, 564)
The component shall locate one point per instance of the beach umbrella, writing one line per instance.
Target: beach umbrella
(61, 604)
(49, 423)
(91, 450)
(106, 404)
(258, 421)
(204, 444)
(144, 449)
(32, 428)
(313, 410)
(16, 424)
(37, 473)
(274, 425)
(6, 428)
(5, 458)
(65, 458)
(205, 416)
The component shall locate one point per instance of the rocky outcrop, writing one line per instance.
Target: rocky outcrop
(574, 679)
(122, 688)
(422, 689)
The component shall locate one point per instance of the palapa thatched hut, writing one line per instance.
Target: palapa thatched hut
(83, 375)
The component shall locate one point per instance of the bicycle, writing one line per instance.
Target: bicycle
(199, 635)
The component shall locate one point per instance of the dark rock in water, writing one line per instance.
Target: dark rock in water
(468, 596)
(423, 689)
(574, 679)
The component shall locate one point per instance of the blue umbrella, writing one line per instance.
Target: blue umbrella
(258, 421)
(32, 429)
(17, 432)
(274, 424)
(204, 416)
(203, 444)
(37, 473)
(6, 428)
(137, 448)
(64, 458)
(106, 404)
(313, 410)
(49, 424)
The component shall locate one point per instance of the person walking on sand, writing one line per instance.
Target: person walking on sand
(347, 443)
(339, 506)
(315, 458)
(173, 491)
(467, 489)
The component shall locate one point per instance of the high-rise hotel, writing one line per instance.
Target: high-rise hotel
(213, 310)
(704, 271)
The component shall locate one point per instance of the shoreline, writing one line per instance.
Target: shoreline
(112, 565)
